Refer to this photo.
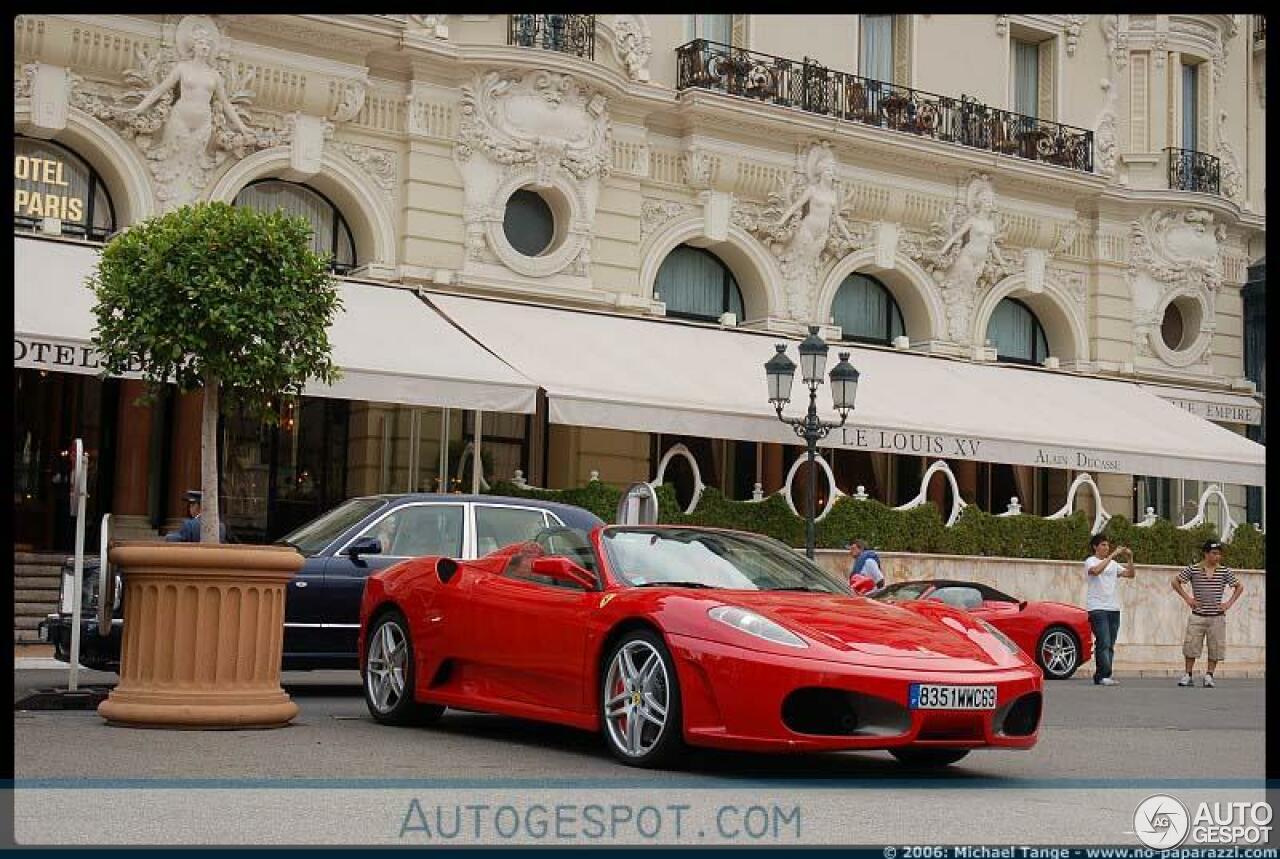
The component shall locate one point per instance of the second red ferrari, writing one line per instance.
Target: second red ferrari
(1055, 634)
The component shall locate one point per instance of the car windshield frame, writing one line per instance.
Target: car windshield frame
(315, 536)
(713, 558)
(892, 593)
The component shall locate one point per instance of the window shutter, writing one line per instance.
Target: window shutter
(1204, 80)
(738, 32)
(1138, 102)
(1047, 79)
(902, 49)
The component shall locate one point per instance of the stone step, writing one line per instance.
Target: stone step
(39, 558)
(26, 621)
(33, 608)
(36, 570)
(38, 595)
(39, 583)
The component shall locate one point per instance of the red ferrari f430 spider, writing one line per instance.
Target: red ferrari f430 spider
(660, 636)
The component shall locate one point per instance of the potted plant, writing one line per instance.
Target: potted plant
(235, 303)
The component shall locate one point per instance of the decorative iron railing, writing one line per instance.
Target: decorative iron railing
(568, 34)
(1193, 171)
(812, 87)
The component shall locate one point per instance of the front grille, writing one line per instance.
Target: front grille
(820, 711)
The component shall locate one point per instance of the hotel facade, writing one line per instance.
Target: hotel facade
(572, 241)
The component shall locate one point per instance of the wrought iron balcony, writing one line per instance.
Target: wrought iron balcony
(1193, 171)
(817, 89)
(568, 34)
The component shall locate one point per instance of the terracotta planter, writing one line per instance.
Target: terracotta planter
(203, 634)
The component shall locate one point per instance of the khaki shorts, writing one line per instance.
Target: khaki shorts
(1200, 628)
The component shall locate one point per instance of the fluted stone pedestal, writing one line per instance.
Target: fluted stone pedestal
(203, 633)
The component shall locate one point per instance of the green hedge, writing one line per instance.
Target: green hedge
(922, 529)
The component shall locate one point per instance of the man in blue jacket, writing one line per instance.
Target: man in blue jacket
(865, 563)
(190, 530)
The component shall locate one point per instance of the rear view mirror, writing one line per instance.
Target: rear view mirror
(363, 546)
(1022, 605)
(563, 570)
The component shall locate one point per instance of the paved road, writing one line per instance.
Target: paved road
(1146, 730)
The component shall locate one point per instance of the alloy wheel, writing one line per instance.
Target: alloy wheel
(385, 667)
(1058, 653)
(638, 698)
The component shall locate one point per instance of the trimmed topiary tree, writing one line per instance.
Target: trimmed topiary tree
(218, 298)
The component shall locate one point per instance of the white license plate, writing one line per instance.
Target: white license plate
(925, 696)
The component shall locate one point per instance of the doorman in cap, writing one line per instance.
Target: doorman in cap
(190, 530)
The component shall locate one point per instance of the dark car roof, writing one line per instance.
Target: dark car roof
(988, 592)
(574, 517)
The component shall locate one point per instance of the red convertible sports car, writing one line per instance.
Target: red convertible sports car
(1057, 635)
(660, 636)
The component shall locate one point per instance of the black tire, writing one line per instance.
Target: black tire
(666, 745)
(1060, 670)
(384, 703)
(928, 758)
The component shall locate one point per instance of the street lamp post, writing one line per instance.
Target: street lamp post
(780, 373)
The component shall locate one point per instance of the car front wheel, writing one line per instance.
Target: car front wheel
(389, 675)
(928, 758)
(640, 701)
(1058, 653)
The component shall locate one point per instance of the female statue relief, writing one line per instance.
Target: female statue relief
(820, 203)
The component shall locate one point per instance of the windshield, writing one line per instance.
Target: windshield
(318, 533)
(644, 557)
(905, 592)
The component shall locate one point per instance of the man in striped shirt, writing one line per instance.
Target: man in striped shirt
(1209, 581)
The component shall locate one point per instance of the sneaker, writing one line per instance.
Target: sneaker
(1208, 681)
(1107, 681)
(1185, 681)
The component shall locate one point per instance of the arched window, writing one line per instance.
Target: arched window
(865, 311)
(1017, 334)
(695, 284)
(330, 235)
(51, 181)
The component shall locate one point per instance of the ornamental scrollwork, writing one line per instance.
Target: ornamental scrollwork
(1182, 246)
(542, 118)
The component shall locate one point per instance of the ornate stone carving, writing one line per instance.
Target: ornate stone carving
(803, 226)
(1177, 247)
(1117, 40)
(22, 83)
(537, 129)
(432, 25)
(351, 95)
(962, 252)
(655, 213)
(1160, 49)
(699, 166)
(380, 164)
(1104, 136)
(199, 129)
(1072, 30)
(1002, 25)
(633, 45)
(1232, 181)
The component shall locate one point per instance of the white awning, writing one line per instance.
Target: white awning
(1212, 405)
(663, 376)
(391, 345)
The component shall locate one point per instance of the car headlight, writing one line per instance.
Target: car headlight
(753, 624)
(1004, 639)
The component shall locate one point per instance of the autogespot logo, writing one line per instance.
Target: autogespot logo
(1161, 822)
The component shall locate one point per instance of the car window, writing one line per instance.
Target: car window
(320, 532)
(497, 527)
(420, 529)
(960, 597)
(553, 541)
(904, 592)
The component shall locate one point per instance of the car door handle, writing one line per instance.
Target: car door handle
(300, 584)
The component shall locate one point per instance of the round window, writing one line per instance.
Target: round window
(529, 223)
(1171, 327)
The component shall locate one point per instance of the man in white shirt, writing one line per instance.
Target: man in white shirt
(1101, 573)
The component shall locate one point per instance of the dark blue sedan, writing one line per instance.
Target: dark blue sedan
(342, 547)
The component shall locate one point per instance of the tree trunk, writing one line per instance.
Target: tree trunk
(210, 519)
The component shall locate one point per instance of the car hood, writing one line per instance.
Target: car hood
(925, 635)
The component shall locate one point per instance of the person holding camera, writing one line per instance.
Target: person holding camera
(1102, 571)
